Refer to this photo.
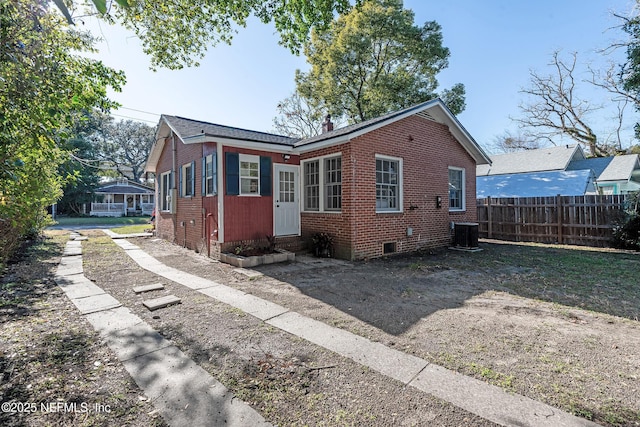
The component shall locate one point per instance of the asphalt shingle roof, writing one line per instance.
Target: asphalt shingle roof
(543, 159)
(187, 128)
(362, 125)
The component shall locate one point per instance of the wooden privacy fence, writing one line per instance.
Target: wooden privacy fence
(572, 220)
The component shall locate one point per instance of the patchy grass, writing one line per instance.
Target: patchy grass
(602, 280)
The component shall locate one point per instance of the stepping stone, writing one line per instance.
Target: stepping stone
(154, 304)
(148, 288)
(250, 274)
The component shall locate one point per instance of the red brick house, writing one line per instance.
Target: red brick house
(390, 184)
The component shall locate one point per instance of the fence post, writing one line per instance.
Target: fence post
(489, 220)
(560, 216)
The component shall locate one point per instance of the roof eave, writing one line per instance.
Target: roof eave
(455, 127)
(163, 132)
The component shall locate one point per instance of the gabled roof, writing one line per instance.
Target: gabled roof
(124, 189)
(596, 164)
(543, 159)
(195, 131)
(123, 186)
(188, 128)
(621, 168)
(434, 110)
(536, 184)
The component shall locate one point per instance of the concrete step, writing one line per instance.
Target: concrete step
(154, 304)
(148, 288)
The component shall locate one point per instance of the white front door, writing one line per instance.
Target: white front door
(286, 211)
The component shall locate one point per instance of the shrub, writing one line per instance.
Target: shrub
(626, 234)
(322, 244)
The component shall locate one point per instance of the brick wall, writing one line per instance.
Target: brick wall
(338, 225)
(187, 226)
(427, 149)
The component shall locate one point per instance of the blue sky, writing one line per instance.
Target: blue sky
(493, 43)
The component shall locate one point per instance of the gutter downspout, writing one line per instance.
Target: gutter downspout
(173, 186)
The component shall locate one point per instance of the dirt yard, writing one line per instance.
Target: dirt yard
(556, 324)
(559, 325)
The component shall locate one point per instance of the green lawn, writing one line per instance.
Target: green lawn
(124, 220)
(130, 229)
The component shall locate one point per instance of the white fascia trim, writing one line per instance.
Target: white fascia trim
(441, 113)
(323, 144)
(237, 143)
(462, 136)
(156, 150)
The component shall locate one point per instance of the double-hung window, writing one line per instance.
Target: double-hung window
(188, 180)
(209, 175)
(165, 186)
(456, 189)
(312, 185)
(333, 184)
(249, 174)
(322, 184)
(388, 184)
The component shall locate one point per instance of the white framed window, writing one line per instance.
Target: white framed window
(456, 189)
(188, 180)
(165, 187)
(209, 171)
(311, 172)
(322, 184)
(249, 175)
(388, 184)
(333, 184)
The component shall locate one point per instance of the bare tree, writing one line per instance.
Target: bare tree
(611, 80)
(300, 117)
(555, 110)
(509, 143)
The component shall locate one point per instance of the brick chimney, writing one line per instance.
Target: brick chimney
(327, 125)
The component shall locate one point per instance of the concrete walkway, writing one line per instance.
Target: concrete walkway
(485, 400)
(184, 393)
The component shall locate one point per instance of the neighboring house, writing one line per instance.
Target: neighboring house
(536, 184)
(391, 184)
(614, 175)
(123, 198)
(563, 170)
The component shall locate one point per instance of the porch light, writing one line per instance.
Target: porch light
(286, 157)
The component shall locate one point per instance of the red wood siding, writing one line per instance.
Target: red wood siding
(250, 217)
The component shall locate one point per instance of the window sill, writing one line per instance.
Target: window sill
(389, 212)
(321, 212)
(249, 195)
(457, 210)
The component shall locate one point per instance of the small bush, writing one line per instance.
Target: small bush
(626, 234)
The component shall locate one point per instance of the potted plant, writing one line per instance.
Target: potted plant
(322, 244)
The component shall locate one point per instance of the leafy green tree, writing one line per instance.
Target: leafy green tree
(44, 82)
(124, 145)
(176, 33)
(81, 169)
(373, 60)
(629, 72)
